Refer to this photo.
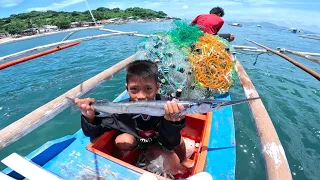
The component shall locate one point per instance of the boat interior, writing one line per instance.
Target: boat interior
(195, 129)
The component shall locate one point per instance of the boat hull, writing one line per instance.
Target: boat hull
(68, 157)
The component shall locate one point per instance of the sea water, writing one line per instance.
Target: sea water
(291, 96)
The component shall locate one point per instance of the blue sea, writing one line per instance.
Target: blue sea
(290, 95)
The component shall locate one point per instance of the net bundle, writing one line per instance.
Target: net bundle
(191, 65)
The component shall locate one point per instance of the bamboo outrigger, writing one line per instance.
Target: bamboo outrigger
(64, 42)
(308, 36)
(255, 49)
(306, 69)
(316, 60)
(277, 166)
(273, 153)
(21, 60)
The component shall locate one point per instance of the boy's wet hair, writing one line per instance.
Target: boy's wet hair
(217, 11)
(142, 68)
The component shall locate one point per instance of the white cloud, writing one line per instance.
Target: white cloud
(9, 3)
(185, 7)
(112, 5)
(56, 6)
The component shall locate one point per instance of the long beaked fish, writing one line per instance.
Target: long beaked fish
(157, 108)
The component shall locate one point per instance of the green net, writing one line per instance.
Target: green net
(183, 35)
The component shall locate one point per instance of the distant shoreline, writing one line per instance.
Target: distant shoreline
(13, 39)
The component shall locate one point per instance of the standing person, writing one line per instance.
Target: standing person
(212, 23)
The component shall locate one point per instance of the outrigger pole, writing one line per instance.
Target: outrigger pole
(307, 36)
(63, 42)
(306, 69)
(276, 163)
(255, 49)
(316, 60)
(36, 118)
(24, 59)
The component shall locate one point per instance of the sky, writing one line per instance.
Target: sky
(290, 13)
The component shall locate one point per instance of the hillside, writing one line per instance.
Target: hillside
(34, 19)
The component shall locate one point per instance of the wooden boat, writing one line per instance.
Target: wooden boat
(79, 157)
(76, 157)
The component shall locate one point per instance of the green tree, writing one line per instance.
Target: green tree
(17, 22)
(63, 23)
(14, 27)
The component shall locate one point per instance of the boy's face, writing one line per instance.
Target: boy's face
(142, 89)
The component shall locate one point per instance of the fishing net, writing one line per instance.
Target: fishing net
(192, 65)
(211, 63)
(183, 35)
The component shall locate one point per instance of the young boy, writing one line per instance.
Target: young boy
(141, 84)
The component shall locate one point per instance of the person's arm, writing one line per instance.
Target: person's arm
(220, 26)
(170, 137)
(91, 125)
(97, 126)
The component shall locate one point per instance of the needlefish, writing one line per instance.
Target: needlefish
(157, 108)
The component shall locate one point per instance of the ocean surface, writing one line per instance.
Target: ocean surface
(291, 96)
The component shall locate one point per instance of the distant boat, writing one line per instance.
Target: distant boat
(294, 30)
(236, 24)
(259, 26)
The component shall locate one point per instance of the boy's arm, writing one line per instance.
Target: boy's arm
(107, 123)
(170, 137)
(97, 126)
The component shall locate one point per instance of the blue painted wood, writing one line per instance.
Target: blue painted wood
(76, 162)
(221, 163)
(44, 154)
(222, 129)
(221, 154)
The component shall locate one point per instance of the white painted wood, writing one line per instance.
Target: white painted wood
(27, 168)
(48, 34)
(62, 43)
(201, 175)
(116, 31)
(5, 177)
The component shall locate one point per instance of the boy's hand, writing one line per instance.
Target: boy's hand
(85, 107)
(172, 109)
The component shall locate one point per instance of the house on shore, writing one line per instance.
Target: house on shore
(49, 28)
(87, 24)
(29, 32)
(75, 24)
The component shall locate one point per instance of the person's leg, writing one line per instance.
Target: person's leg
(124, 143)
